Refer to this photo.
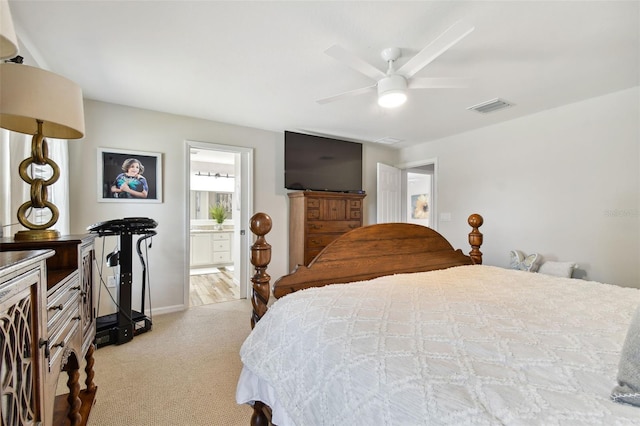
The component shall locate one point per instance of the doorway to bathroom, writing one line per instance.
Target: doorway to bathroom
(218, 209)
(407, 193)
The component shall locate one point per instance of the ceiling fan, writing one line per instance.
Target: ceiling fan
(392, 86)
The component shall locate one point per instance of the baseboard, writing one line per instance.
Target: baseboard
(167, 310)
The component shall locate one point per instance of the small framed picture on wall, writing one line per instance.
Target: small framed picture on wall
(126, 176)
(420, 206)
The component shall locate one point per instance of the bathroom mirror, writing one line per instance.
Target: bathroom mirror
(201, 201)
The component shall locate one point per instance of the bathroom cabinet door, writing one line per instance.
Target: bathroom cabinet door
(201, 245)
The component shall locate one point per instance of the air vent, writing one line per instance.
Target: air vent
(388, 140)
(490, 106)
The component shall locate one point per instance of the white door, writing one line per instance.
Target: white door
(389, 191)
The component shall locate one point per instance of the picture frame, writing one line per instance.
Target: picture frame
(420, 206)
(116, 185)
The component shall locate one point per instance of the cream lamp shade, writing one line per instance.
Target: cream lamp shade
(8, 39)
(29, 94)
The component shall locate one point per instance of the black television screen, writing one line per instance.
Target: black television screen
(321, 164)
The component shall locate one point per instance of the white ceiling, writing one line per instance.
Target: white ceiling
(262, 64)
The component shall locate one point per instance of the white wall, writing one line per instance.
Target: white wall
(563, 183)
(115, 126)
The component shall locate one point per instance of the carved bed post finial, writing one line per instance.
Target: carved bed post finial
(475, 238)
(260, 225)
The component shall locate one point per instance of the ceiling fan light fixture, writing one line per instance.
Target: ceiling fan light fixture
(392, 91)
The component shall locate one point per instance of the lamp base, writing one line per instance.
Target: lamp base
(36, 234)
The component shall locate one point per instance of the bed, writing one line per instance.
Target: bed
(418, 333)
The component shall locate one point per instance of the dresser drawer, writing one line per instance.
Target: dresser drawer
(313, 209)
(63, 298)
(221, 245)
(222, 257)
(334, 226)
(320, 240)
(60, 339)
(221, 236)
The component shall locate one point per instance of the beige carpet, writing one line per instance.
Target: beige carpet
(183, 372)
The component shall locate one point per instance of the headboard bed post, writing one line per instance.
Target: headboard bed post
(475, 238)
(260, 225)
(382, 249)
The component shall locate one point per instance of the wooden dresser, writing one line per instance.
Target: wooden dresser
(55, 278)
(316, 219)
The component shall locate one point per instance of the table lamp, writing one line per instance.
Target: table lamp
(43, 104)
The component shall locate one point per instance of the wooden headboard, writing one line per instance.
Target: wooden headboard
(364, 253)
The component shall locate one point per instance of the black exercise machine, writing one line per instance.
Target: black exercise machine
(120, 327)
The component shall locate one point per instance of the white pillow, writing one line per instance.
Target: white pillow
(524, 263)
(628, 389)
(558, 269)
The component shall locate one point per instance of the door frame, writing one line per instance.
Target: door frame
(246, 206)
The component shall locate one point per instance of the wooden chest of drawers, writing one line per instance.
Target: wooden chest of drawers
(62, 328)
(22, 284)
(316, 219)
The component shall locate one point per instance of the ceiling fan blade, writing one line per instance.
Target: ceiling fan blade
(348, 94)
(343, 55)
(439, 83)
(437, 47)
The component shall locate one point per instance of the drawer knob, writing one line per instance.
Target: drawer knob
(58, 345)
(58, 307)
(78, 318)
(75, 288)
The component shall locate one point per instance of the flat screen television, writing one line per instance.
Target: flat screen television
(318, 163)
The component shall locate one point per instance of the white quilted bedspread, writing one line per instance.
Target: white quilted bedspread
(474, 345)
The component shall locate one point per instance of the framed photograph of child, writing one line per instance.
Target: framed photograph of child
(126, 176)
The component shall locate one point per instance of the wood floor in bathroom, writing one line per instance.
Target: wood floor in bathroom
(213, 288)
